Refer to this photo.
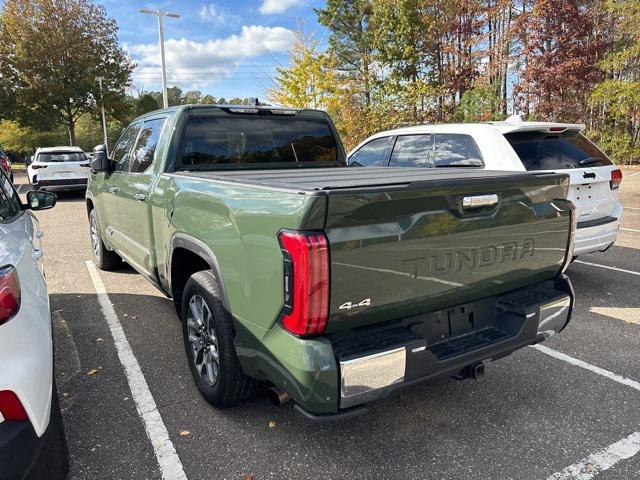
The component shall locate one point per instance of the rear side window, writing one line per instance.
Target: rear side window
(239, 142)
(120, 154)
(371, 154)
(145, 149)
(412, 151)
(454, 150)
(47, 157)
(544, 151)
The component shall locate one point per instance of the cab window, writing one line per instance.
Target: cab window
(371, 154)
(120, 154)
(143, 154)
(456, 150)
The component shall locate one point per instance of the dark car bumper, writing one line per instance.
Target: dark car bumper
(375, 361)
(19, 449)
(64, 184)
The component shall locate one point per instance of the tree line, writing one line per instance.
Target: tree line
(389, 63)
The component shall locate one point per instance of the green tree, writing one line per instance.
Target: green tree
(146, 103)
(52, 52)
(193, 97)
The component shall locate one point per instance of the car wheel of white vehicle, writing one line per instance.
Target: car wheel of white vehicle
(208, 334)
(53, 461)
(103, 258)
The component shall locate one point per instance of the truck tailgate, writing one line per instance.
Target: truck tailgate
(400, 249)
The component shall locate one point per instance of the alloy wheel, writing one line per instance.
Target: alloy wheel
(203, 340)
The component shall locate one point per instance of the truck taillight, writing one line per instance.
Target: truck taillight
(306, 282)
(37, 167)
(10, 407)
(616, 178)
(9, 293)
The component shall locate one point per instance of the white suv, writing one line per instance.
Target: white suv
(517, 146)
(59, 168)
(32, 441)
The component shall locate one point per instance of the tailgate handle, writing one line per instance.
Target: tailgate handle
(478, 201)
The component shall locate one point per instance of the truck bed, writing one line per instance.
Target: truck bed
(342, 180)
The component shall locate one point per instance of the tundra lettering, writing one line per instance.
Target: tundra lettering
(468, 259)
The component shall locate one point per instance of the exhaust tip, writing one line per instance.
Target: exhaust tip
(277, 396)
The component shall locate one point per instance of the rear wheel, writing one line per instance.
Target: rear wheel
(208, 334)
(53, 461)
(103, 258)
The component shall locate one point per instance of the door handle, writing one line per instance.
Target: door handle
(478, 201)
(114, 189)
(141, 197)
(36, 253)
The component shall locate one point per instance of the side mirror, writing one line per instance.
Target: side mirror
(40, 200)
(100, 162)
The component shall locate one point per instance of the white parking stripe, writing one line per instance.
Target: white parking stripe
(633, 174)
(607, 267)
(587, 366)
(630, 230)
(168, 460)
(602, 460)
(631, 208)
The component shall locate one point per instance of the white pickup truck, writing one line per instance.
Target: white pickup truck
(513, 145)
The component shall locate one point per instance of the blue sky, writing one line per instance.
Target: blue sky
(226, 48)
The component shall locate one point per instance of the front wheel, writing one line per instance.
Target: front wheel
(103, 258)
(208, 334)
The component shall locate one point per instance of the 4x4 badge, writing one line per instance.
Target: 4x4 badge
(349, 305)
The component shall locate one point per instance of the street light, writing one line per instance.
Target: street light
(104, 118)
(160, 14)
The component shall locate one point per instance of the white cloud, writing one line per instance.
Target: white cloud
(197, 64)
(214, 14)
(277, 6)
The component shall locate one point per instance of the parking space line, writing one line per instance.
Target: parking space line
(587, 366)
(633, 174)
(631, 208)
(168, 460)
(630, 230)
(602, 460)
(607, 267)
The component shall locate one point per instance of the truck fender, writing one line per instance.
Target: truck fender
(192, 244)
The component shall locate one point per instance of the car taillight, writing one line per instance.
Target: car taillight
(5, 163)
(306, 282)
(10, 407)
(9, 293)
(616, 179)
(36, 167)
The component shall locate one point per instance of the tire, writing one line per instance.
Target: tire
(103, 258)
(53, 461)
(222, 382)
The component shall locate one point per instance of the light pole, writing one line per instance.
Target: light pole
(104, 118)
(160, 14)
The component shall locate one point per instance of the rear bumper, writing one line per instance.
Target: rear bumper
(62, 184)
(19, 449)
(597, 235)
(334, 375)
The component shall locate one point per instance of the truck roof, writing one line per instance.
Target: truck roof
(232, 108)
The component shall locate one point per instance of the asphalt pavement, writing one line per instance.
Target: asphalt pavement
(532, 416)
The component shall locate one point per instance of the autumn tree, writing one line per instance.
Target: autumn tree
(562, 59)
(51, 52)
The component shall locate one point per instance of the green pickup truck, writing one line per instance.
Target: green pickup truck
(336, 285)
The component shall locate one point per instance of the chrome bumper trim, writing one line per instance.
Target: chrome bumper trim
(554, 316)
(362, 378)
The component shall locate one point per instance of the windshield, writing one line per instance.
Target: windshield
(61, 157)
(544, 151)
(235, 142)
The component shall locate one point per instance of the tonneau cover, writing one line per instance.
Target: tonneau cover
(315, 180)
